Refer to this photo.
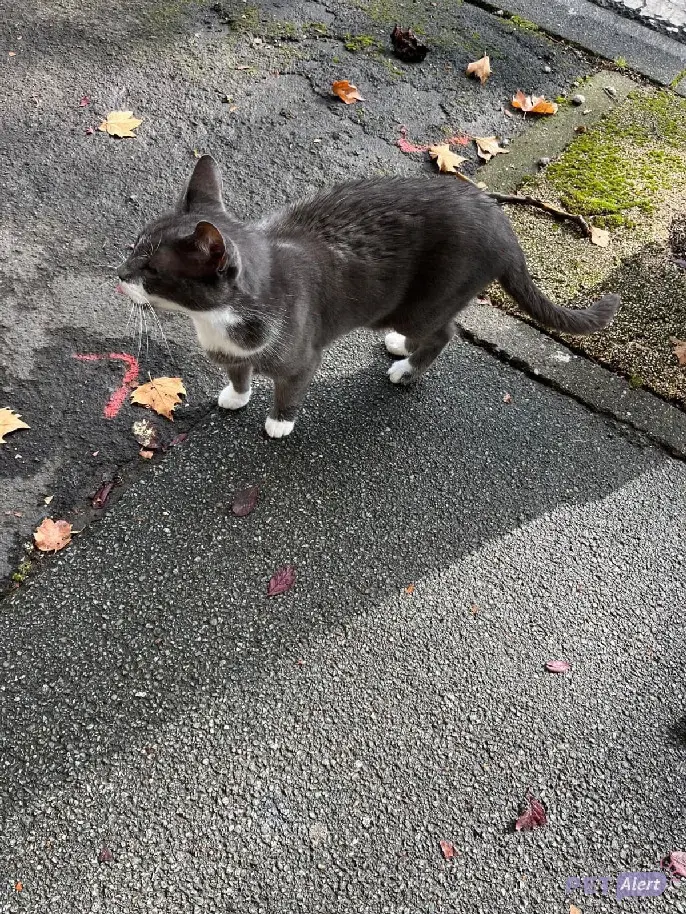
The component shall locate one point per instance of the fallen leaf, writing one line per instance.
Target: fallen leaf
(474, 609)
(160, 394)
(599, 236)
(679, 352)
(507, 398)
(179, 439)
(675, 863)
(146, 434)
(245, 501)
(346, 92)
(89, 131)
(533, 816)
(18, 886)
(105, 855)
(120, 123)
(535, 104)
(10, 422)
(574, 910)
(48, 499)
(281, 581)
(409, 589)
(557, 666)
(407, 46)
(446, 160)
(406, 146)
(488, 146)
(146, 455)
(85, 100)
(12, 54)
(447, 849)
(480, 68)
(51, 536)
(100, 498)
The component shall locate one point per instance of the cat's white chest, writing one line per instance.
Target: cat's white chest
(213, 329)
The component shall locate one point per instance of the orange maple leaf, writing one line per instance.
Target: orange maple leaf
(346, 92)
(533, 104)
(160, 394)
(480, 68)
(52, 535)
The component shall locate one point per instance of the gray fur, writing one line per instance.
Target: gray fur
(401, 254)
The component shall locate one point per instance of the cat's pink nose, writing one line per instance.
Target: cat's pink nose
(120, 289)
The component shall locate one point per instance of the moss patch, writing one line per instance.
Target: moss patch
(357, 43)
(526, 25)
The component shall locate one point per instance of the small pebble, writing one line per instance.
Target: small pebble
(578, 99)
(547, 69)
(611, 91)
(505, 142)
(545, 160)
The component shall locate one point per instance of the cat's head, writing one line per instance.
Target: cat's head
(183, 261)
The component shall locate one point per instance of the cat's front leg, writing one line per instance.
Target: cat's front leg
(289, 393)
(237, 392)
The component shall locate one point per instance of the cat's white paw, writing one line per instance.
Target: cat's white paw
(230, 399)
(278, 428)
(396, 343)
(401, 372)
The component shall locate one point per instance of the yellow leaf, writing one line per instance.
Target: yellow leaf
(120, 123)
(9, 422)
(51, 535)
(160, 394)
(480, 68)
(445, 159)
(488, 146)
(600, 237)
(679, 350)
(536, 104)
(346, 92)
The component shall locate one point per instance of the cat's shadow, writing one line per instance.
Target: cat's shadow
(376, 488)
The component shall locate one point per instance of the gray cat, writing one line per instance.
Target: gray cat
(397, 254)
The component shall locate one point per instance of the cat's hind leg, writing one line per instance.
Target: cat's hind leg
(423, 353)
(237, 392)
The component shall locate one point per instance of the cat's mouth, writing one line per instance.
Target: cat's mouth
(134, 291)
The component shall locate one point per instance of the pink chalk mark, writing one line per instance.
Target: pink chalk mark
(405, 145)
(118, 398)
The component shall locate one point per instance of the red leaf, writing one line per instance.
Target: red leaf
(557, 666)
(447, 849)
(100, 498)
(85, 100)
(675, 863)
(245, 501)
(533, 816)
(281, 581)
(105, 855)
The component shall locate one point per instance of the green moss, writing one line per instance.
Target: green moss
(622, 163)
(620, 63)
(248, 21)
(319, 27)
(391, 67)
(22, 572)
(357, 43)
(677, 79)
(635, 381)
(167, 15)
(526, 25)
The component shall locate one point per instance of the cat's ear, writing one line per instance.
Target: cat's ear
(220, 257)
(204, 189)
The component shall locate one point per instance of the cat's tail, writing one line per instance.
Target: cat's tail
(518, 283)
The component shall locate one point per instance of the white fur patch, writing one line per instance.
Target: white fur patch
(396, 343)
(277, 428)
(230, 399)
(212, 329)
(400, 371)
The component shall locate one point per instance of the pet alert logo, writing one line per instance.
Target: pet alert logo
(627, 885)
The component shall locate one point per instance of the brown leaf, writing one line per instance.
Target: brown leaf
(488, 146)
(533, 816)
(18, 886)
(160, 394)
(51, 536)
(507, 398)
(409, 589)
(574, 910)
(446, 160)
(536, 104)
(146, 455)
(146, 434)
(281, 581)
(101, 497)
(105, 855)
(557, 666)
(447, 849)
(679, 352)
(9, 422)
(346, 92)
(475, 609)
(245, 501)
(480, 68)
(407, 46)
(120, 123)
(600, 237)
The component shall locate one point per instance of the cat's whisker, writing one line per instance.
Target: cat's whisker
(147, 335)
(140, 332)
(162, 333)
